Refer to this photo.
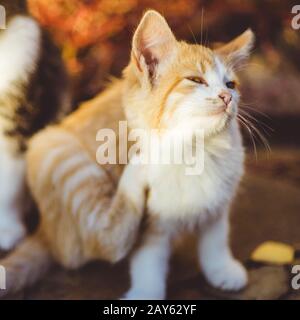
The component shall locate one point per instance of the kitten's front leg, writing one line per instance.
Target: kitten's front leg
(149, 267)
(220, 268)
(12, 172)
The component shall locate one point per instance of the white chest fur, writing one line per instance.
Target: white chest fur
(175, 195)
(19, 51)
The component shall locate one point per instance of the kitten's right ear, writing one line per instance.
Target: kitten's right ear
(153, 44)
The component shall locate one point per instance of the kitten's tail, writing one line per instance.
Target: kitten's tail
(26, 264)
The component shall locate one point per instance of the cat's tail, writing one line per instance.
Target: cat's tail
(25, 265)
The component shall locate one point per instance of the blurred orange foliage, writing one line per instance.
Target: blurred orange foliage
(77, 24)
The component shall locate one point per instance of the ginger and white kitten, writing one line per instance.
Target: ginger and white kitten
(33, 92)
(179, 86)
(91, 211)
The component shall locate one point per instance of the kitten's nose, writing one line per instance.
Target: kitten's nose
(226, 97)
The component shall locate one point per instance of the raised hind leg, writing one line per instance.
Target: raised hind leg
(86, 216)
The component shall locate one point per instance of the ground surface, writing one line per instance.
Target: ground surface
(267, 208)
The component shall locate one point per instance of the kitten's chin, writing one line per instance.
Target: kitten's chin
(220, 125)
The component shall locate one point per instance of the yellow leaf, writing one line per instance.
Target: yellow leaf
(273, 252)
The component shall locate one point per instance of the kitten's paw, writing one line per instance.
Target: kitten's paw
(231, 276)
(11, 233)
(138, 294)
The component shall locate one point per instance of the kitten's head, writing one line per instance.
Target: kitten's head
(175, 85)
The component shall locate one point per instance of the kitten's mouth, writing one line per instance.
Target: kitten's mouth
(222, 110)
(218, 111)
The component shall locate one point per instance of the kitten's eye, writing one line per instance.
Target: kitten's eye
(199, 80)
(230, 84)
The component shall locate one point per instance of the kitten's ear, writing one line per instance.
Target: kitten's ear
(238, 50)
(153, 44)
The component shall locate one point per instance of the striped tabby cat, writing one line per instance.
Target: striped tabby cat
(33, 92)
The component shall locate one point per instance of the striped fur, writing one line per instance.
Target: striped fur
(33, 93)
(78, 207)
(91, 212)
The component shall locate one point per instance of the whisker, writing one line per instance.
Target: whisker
(263, 138)
(243, 65)
(207, 43)
(201, 31)
(193, 35)
(246, 106)
(250, 134)
(258, 134)
(250, 104)
(264, 127)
